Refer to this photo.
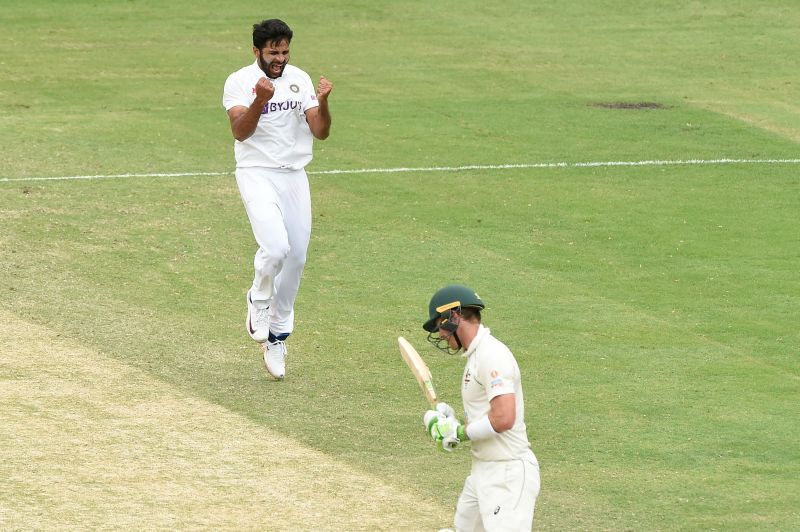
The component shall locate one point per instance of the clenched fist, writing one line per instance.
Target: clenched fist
(265, 90)
(324, 88)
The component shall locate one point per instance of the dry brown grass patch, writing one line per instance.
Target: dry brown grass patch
(88, 442)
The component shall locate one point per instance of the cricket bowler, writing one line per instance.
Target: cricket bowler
(275, 114)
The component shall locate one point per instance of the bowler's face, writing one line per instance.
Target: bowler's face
(273, 58)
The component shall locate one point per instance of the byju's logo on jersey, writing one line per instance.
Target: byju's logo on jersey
(288, 105)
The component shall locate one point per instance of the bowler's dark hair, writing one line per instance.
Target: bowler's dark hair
(270, 31)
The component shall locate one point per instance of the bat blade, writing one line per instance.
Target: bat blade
(418, 368)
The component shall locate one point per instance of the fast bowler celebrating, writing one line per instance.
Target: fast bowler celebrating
(501, 489)
(275, 114)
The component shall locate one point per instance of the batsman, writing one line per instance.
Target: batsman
(501, 489)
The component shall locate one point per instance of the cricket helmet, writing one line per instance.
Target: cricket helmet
(450, 297)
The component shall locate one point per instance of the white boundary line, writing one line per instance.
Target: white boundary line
(432, 168)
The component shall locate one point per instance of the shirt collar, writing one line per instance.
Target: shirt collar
(482, 333)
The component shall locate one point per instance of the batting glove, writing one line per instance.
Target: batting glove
(447, 432)
(445, 409)
(430, 417)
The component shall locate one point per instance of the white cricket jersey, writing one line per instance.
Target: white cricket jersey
(282, 138)
(492, 370)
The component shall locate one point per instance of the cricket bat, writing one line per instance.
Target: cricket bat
(418, 368)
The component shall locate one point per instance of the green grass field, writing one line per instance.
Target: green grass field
(653, 308)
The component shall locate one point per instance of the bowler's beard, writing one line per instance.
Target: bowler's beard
(265, 68)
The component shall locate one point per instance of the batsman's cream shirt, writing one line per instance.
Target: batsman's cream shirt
(282, 138)
(492, 370)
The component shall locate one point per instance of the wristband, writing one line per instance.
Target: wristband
(481, 429)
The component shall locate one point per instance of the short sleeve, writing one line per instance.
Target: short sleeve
(499, 373)
(234, 94)
(309, 95)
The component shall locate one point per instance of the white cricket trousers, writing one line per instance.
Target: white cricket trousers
(499, 496)
(278, 204)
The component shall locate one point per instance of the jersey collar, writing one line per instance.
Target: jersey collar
(483, 332)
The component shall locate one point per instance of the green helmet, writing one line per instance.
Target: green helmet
(450, 297)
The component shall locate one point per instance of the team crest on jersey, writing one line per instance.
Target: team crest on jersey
(467, 378)
(294, 88)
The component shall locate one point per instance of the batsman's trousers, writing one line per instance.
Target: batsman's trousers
(499, 496)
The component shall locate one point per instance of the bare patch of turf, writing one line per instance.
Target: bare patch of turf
(88, 442)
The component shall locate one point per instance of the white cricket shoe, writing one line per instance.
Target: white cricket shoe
(275, 358)
(257, 322)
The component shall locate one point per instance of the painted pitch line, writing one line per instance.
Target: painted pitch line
(560, 165)
(434, 168)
